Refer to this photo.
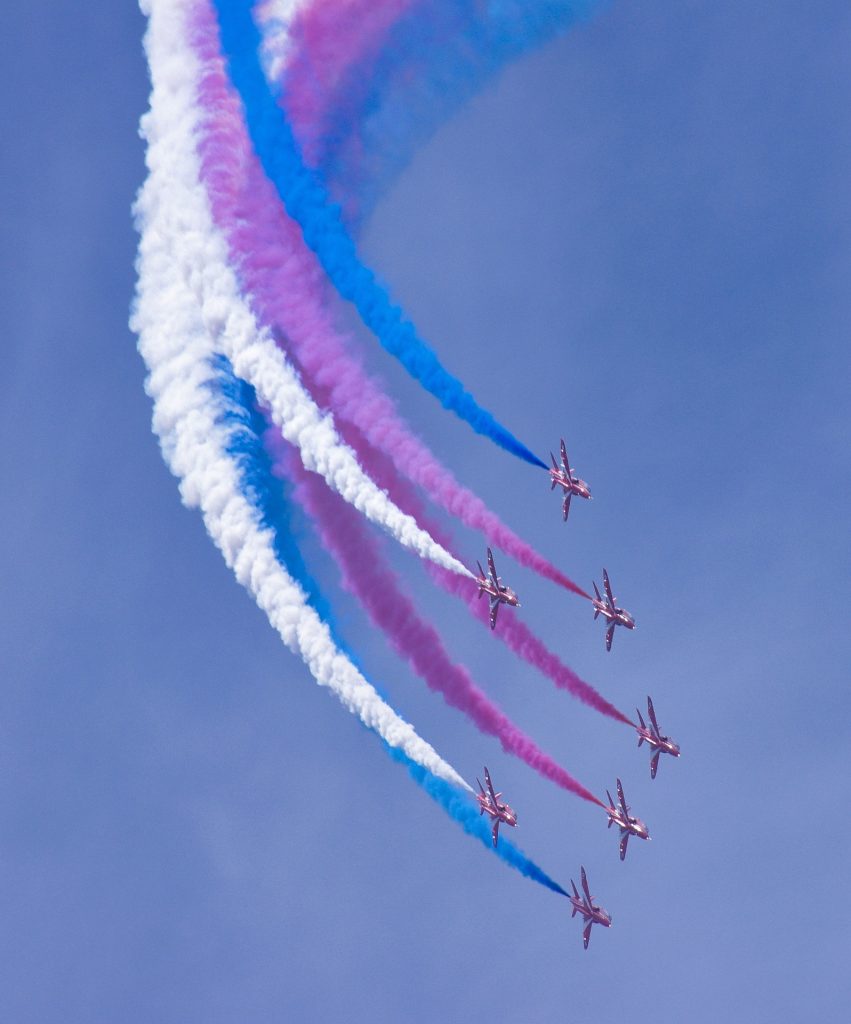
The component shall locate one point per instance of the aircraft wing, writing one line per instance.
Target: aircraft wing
(565, 508)
(586, 935)
(490, 788)
(654, 764)
(495, 833)
(624, 807)
(610, 635)
(651, 711)
(492, 570)
(623, 842)
(585, 885)
(565, 465)
(494, 611)
(608, 587)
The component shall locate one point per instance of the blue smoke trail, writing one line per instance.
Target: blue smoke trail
(307, 202)
(435, 57)
(265, 493)
(466, 813)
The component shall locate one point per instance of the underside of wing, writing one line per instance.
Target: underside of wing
(623, 842)
(586, 935)
(494, 611)
(492, 570)
(565, 508)
(651, 711)
(610, 634)
(654, 764)
(608, 588)
(585, 885)
(622, 799)
(493, 795)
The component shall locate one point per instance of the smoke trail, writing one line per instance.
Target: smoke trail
(175, 345)
(288, 290)
(360, 102)
(519, 638)
(466, 813)
(254, 356)
(510, 629)
(245, 426)
(367, 575)
(192, 426)
(308, 203)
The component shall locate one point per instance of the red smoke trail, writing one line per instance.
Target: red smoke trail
(370, 579)
(510, 629)
(288, 291)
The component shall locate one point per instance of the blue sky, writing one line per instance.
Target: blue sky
(638, 239)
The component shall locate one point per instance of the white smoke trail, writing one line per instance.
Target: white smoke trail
(274, 18)
(177, 347)
(201, 252)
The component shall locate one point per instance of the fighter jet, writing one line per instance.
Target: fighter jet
(613, 615)
(491, 585)
(655, 740)
(565, 479)
(489, 804)
(591, 913)
(619, 815)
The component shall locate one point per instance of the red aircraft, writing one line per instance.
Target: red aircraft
(655, 740)
(489, 804)
(591, 913)
(565, 479)
(492, 586)
(607, 607)
(619, 815)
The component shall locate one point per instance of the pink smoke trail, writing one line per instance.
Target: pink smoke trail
(509, 628)
(294, 287)
(288, 290)
(369, 578)
(326, 42)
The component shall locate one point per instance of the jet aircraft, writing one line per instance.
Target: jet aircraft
(565, 479)
(654, 738)
(619, 815)
(489, 804)
(591, 913)
(491, 585)
(607, 607)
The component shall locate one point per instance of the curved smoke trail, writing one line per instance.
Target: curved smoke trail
(178, 351)
(510, 628)
(289, 291)
(361, 101)
(202, 433)
(202, 256)
(308, 203)
(246, 428)
(367, 575)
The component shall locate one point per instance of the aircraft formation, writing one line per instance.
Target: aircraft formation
(605, 605)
